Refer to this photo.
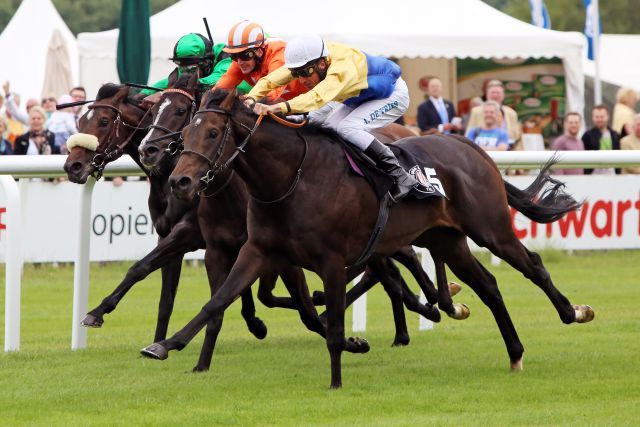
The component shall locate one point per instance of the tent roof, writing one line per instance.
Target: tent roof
(619, 61)
(419, 29)
(24, 43)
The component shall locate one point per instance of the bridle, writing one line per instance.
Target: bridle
(215, 167)
(102, 157)
(177, 144)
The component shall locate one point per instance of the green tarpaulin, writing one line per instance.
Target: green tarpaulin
(134, 42)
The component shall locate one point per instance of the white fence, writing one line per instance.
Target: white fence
(51, 166)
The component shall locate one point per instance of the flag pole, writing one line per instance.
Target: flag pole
(597, 84)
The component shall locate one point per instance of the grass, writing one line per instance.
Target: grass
(455, 375)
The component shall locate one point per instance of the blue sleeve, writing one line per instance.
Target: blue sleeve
(471, 133)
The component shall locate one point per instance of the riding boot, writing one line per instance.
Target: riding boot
(386, 160)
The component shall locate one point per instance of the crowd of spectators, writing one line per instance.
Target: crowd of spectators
(39, 128)
(495, 126)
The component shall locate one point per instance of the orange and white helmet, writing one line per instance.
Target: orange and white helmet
(244, 35)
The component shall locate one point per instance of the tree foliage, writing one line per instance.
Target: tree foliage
(83, 15)
(618, 16)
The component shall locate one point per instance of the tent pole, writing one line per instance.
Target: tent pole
(597, 84)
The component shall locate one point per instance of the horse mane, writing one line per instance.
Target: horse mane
(109, 90)
(183, 84)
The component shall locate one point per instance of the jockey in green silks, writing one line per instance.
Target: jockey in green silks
(194, 50)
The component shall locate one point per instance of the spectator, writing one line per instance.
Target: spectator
(490, 135)
(63, 124)
(13, 104)
(49, 104)
(436, 112)
(569, 140)
(78, 94)
(601, 137)
(624, 110)
(632, 142)
(37, 140)
(495, 92)
(14, 127)
(473, 103)
(5, 145)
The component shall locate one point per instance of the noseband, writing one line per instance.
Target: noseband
(102, 157)
(176, 145)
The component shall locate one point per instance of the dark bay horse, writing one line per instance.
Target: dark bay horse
(117, 124)
(326, 219)
(163, 140)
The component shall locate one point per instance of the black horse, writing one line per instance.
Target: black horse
(315, 228)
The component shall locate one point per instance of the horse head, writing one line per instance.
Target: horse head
(104, 131)
(173, 111)
(209, 143)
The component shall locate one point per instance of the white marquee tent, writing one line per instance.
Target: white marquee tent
(426, 29)
(24, 44)
(619, 60)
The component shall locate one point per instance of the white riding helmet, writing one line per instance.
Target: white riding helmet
(303, 50)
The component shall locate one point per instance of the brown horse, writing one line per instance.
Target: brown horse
(117, 124)
(170, 115)
(325, 220)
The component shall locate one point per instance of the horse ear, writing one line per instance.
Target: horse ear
(204, 100)
(121, 96)
(230, 99)
(173, 77)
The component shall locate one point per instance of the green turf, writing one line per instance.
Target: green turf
(455, 375)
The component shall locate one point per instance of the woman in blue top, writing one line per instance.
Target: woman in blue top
(490, 136)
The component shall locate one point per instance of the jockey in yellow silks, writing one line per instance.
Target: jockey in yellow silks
(349, 91)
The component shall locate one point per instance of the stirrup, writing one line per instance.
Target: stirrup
(395, 197)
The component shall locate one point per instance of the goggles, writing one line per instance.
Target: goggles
(245, 55)
(305, 71)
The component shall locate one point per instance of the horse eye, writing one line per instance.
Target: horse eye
(213, 133)
(181, 111)
(104, 122)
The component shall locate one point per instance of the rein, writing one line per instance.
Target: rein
(215, 168)
(101, 158)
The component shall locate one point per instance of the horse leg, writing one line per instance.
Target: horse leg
(454, 250)
(333, 279)
(293, 278)
(179, 241)
(394, 291)
(170, 278)
(218, 265)
(255, 325)
(455, 311)
(408, 257)
(250, 264)
(510, 249)
(265, 293)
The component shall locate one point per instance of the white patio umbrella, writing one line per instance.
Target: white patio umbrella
(57, 71)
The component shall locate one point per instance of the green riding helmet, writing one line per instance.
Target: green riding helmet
(193, 50)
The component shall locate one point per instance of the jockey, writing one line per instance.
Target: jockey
(195, 50)
(254, 56)
(349, 92)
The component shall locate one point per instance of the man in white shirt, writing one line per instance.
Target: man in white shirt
(437, 113)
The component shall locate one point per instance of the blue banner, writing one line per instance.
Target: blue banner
(540, 14)
(592, 25)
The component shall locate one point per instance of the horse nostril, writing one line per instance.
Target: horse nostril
(181, 183)
(150, 150)
(76, 167)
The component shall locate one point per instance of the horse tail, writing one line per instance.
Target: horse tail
(540, 202)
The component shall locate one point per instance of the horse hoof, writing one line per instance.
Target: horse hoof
(460, 312)
(198, 369)
(400, 342)
(258, 328)
(91, 321)
(516, 366)
(357, 345)
(454, 288)
(155, 351)
(318, 298)
(584, 313)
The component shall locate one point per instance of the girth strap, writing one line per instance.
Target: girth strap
(378, 230)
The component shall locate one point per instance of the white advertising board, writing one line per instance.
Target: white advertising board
(121, 226)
